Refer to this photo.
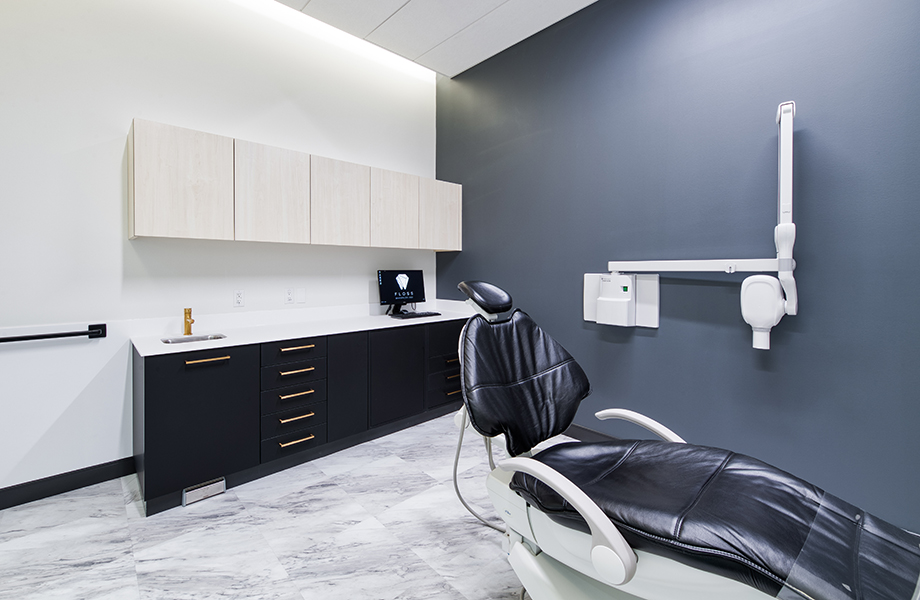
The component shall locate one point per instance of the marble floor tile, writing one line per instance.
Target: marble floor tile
(376, 521)
(367, 561)
(279, 485)
(227, 560)
(350, 458)
(133, 499)
(293, 524)
(87, 557)
(384, 482)
(95, 501)
(210, 514)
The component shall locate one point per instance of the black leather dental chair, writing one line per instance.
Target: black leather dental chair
(653, 519)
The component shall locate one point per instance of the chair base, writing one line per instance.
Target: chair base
(553, 562)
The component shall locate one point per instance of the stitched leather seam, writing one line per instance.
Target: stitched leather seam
(614, 467)
(680, 522)
(522, 381)
(708, 551)
(857, 580)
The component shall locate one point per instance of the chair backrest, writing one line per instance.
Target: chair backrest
(518, 381)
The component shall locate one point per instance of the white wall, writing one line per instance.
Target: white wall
(72, 76)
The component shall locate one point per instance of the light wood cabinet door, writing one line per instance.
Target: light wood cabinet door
(440, 215)
(272, 194)
(394, 209)
(180, 182)
(340, 202)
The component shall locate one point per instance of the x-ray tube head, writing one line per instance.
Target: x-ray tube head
(762, 306)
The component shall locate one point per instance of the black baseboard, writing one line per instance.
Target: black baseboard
(65, 482)
(583, 434)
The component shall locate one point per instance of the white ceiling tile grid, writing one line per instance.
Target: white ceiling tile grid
(445, 36)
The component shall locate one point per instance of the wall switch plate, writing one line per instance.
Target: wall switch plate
(301, 295)
(238, 299)
(289, 295)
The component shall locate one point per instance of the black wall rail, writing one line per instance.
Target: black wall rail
(93, 331)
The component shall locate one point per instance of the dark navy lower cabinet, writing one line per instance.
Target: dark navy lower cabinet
(242, 412)
(196, 419)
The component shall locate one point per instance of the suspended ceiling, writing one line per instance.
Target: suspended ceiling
(446, 36)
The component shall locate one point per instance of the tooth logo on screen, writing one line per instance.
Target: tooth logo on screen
(403, 280)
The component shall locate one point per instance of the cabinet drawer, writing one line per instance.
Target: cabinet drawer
(447, 362)
(293, 350)
(294, 442)
(443, 388)
(294, 372)
(295, 396)
(288, 421)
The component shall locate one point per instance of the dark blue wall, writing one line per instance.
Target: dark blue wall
(642, 129)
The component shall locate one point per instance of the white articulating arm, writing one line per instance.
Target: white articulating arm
(784, 236)
(764, 299)
(641, 420)
(611, 556)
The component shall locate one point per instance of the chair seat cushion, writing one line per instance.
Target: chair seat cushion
(732, 515)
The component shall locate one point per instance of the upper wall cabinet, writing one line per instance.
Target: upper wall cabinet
(394, 209)
(180, 182)
(340, 202)
(188, 184)
(272, 194)
(440, 215)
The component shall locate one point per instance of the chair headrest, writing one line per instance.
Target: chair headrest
(490, 298)
(519, 381)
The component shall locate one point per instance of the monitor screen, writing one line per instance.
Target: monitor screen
(401, 287)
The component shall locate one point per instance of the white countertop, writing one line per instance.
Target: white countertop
(283, 325)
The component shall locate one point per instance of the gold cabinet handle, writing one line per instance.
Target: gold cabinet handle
(286, 373)
(298, 348)
(306, 416)
(306, 439)
(453, 392)
(452, 360)
(206, 360)
(449, 377)
(289, 396)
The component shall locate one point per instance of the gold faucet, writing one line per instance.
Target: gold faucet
(188, 321)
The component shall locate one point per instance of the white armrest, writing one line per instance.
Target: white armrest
(613, 558)
(640, 419)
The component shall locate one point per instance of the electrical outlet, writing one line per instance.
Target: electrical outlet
(238, 299)
(289, 295)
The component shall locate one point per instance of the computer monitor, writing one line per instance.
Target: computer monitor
(400, 287)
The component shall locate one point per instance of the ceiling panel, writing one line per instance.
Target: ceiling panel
(510, 23)
(421, 25)
(357, 17)
(447, 36)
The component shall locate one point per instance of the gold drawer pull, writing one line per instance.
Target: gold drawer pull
(283, 421)
(206, 360)
(449, 377)
(298, 348)
(286, 373)
(306, 439)
(453, 392)
(452, 360)
(289, 396)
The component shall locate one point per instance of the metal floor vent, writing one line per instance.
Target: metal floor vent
(194, 493)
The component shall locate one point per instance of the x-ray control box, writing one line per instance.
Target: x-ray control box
(625, 300)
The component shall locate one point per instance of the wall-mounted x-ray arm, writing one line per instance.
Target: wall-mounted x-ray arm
(615, 299)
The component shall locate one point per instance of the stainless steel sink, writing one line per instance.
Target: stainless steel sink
(192, 338)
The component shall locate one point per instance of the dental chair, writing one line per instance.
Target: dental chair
(652, 519)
